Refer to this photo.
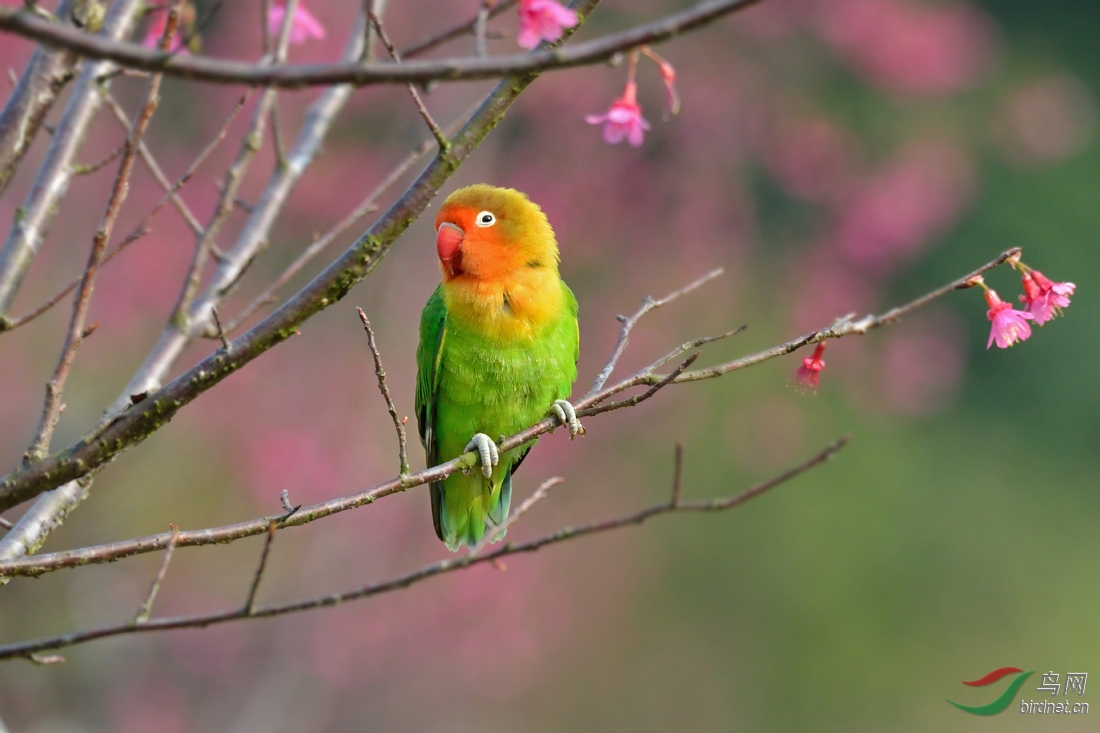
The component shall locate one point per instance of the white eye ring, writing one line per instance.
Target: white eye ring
(486, 219)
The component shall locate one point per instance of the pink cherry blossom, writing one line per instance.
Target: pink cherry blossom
(1009, 324)
(1045, 299)
(806, 377)
(302, 27)
(543, 20)
(623, 120)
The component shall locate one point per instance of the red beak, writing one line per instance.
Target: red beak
(448, 243)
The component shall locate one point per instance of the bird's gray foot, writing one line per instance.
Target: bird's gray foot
(568, 417)
(487, 450)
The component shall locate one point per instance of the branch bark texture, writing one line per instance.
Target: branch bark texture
(34, 217)
(361, 74)
(48, 71)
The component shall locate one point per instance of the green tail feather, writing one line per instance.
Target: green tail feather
(460, 523)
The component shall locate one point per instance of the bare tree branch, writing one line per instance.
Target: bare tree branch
(179, 323)
(154, 588)
(648, 304)
(470, 27)
(361, 74)
(402, 447)
(34, 217)
(250, 602)
(47, 514)
(151, 163)
(437, 133)
(589, 405)
(368, 205)
(87, 170)
(51, 411)
(196, 318)
(294, 515)
(677, 474)
(221, 331)
(48, 71)
(128, 425)
(144, 227)
(26, 648)
(841, 327)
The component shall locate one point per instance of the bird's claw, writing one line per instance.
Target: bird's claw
(568, 417)
(487, 450)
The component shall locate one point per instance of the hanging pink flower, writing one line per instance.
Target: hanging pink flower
(668, 76)
(807, 376)
(1009, 325)
(1045, 299)
(623, 120)
(543, 20)
(302, 27)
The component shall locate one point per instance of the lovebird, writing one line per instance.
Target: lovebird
(499, 343)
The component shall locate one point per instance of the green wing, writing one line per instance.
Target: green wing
(428, 353)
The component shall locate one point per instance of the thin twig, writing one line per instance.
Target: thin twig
(277, 135)
(587, 406)
(47, 513)
(32, 97)
(482, 24)
(143, 228)
(154, 588)
(660, 384)
(221, 331)
(25, 648)
(841, 327)
(46, 195)
(85, 170)
(5, 523)
(677, 474)
(170, 190)
(180, 320)
(250, 603)
(648, 304)
(465, 29)
(368, 205)
(51, 411)
(224, 71)
(265, 32)
(354, 264)
(402, 447)
(196, 320)
(444, 143)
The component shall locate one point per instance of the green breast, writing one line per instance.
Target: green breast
(499, 389)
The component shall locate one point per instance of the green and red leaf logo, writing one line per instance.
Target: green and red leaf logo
(1006, 697)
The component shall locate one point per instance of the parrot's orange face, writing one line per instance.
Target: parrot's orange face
(485, 234)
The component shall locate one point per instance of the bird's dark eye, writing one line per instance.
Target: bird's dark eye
(486, 219)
